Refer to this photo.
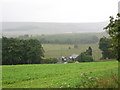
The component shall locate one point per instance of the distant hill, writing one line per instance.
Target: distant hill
(38, 28)
(74, 38)
(67, 38)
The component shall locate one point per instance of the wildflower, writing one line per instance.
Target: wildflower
(68, 86)
(90, 78)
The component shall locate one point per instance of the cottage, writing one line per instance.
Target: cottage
(70, 58)
(73, 57)
(63, 59)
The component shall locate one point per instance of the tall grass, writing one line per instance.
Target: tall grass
(106, 81)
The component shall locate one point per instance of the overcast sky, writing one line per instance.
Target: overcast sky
(57, 10)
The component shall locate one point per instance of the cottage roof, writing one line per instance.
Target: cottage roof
(74, 55)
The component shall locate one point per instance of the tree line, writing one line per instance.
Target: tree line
(19, 51)
(65, 38)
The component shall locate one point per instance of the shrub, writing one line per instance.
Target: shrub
(70, 61)
(84, 58)
(106, 81)
(87, 81)
(49, 60)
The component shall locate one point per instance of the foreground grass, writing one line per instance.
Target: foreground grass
(55, 75)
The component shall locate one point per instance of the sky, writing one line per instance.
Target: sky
(75, 11)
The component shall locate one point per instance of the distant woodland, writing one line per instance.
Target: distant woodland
(65, 38)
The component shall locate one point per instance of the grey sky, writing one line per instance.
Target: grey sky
(57, 10)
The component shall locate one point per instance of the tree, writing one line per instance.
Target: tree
(19, 51)
(107, 49)
(86, 56)
(113, 29)
(89, 51)
(69, 47)
(34, 51)
(76, 46)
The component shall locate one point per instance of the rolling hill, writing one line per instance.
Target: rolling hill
(38, 28)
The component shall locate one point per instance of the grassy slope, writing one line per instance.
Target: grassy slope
(53, 75)
(72, 36)
(58, 50)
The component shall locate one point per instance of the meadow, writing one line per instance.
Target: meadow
(70, 75)
(57, 45)
(58, 50)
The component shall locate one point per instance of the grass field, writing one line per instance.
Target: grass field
(55, 75)
(58, 50)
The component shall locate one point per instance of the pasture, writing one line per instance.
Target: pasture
(56, 75)
(58, 50)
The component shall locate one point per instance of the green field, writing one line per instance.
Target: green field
(58, 50)
(54, 75)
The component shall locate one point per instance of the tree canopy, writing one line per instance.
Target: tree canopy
(107, 48)
(113, 29)
(19, 51)
(86, 56)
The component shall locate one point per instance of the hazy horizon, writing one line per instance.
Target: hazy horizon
(38, 28)
(38, 17)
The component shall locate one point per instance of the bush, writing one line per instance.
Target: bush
(70, 61)
(49, 60)
(109, 80)
(84, 58)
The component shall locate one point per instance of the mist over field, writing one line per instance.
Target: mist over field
(38, 28)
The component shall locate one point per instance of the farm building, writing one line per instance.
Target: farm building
(70, 58)
(73, 56)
